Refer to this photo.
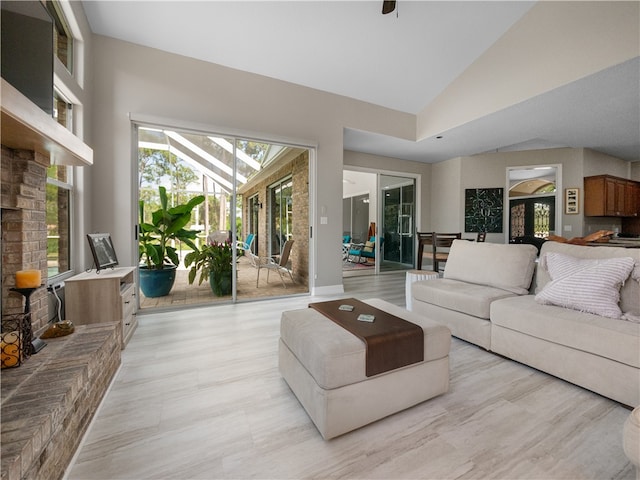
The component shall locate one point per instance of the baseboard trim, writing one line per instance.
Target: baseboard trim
(328, 290)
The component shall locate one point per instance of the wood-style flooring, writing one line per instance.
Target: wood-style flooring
(199, 396)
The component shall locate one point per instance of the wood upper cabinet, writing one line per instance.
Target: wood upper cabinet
(632, 199)
(608, 196)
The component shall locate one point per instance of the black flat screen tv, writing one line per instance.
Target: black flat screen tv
(104, 255)
(26, 50)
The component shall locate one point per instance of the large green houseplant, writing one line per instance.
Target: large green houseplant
(159, 258)
(215, 263)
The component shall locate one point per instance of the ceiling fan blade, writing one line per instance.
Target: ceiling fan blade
(388, 6)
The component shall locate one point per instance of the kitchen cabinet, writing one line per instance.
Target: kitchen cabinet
(609, 196)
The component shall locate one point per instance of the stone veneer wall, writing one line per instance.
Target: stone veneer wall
(47, 402)
(298, 169)
(24, 229)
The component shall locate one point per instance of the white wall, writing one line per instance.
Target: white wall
(131, 79)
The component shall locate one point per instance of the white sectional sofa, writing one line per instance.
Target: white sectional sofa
(484, 298)
(475, 276)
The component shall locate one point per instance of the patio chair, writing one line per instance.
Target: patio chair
(246, 245)
(346, 243)
(361, 252)
(279, 265)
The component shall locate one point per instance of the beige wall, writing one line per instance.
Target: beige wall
(446, 204)
(150, 84)
(549, 35)
(596, 163)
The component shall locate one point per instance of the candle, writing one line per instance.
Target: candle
(28, 279)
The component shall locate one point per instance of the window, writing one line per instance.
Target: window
(62, 39)
(62, 110)
(59, 191)
(58, 216)
(281, 214)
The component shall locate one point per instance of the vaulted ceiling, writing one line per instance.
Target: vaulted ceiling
(407, 61)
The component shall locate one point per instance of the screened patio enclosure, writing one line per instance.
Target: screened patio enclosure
(250, 188)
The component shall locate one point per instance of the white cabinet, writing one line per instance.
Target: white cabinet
(107, 296)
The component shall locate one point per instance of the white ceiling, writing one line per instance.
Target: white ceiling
(400, 61)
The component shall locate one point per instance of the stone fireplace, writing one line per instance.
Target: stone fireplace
(24, 232)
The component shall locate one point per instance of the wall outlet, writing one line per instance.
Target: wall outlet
(568, 228)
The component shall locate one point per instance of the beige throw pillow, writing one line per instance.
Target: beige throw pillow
(586, 285)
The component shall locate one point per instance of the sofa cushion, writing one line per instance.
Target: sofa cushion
(459, 296)
(606, 337)
(587, 285)
(630, 291)
(507, 267)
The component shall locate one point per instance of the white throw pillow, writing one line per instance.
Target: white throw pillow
(587, 285)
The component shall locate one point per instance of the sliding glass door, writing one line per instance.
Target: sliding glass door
(398, 222)
(256, 197)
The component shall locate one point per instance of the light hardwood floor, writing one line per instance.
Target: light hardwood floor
(199, 396)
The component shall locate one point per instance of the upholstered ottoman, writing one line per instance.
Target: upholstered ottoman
(324, 365)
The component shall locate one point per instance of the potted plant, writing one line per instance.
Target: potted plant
(158, 257)
(215, 262)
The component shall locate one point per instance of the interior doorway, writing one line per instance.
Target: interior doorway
(533, 196)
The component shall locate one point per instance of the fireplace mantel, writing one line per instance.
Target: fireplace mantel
(27, 127)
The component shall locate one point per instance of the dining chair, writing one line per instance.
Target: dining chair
(436, 243)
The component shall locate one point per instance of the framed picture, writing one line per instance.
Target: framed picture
(483, 210)
(104, 255)
(571, 201)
